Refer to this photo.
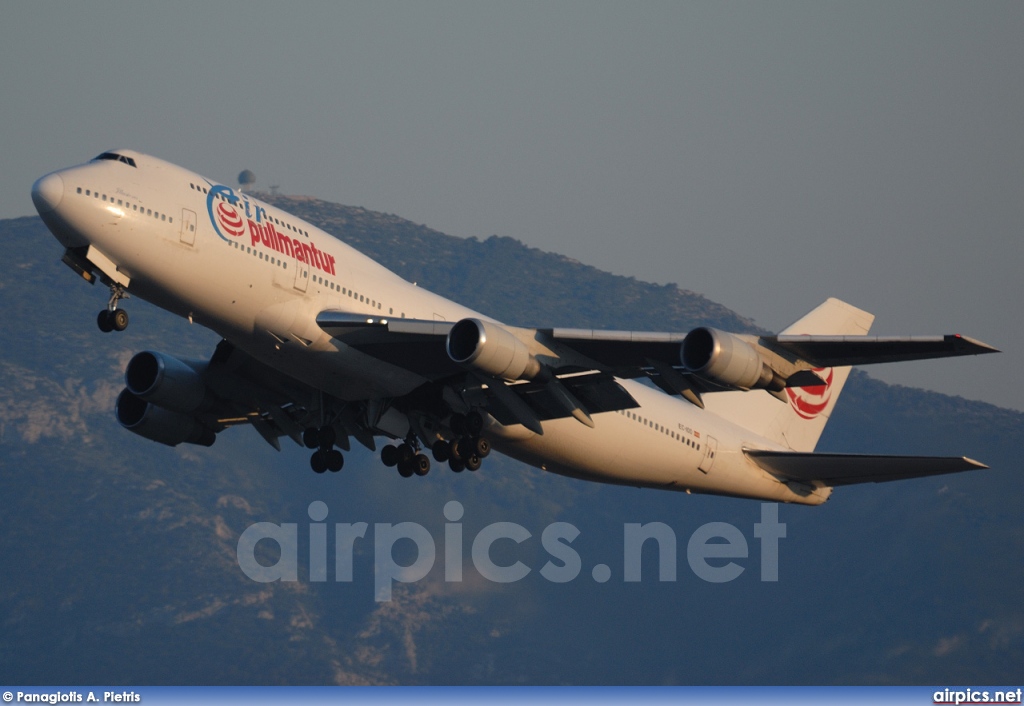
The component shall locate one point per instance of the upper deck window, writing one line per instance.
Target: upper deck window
(113, 156)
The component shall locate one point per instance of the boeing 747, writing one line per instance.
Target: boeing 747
(322, 345)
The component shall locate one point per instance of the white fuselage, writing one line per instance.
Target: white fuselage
(230, 262)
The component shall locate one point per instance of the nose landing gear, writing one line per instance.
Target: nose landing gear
(112, 318)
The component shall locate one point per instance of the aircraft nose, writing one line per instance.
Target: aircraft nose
(47, 192)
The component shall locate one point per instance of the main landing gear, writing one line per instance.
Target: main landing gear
(326, 457)
(112, 318)
(465, 452)
(407, 457)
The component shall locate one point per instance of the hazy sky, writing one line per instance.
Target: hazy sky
(767, 155)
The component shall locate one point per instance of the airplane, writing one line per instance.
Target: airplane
(323, 345)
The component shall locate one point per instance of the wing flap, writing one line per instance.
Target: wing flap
(849, 469)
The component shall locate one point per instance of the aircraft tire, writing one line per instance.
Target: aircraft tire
(310, 438)
(421, 465)
(405, 469)
(318, 462)
(389, 456)
(473, 463)
(481, 446)
(456, 464)
(326, 437)
(335, 461)
(104, 322)
(440, 451)
(474, 423)
(119, 319)
(405, 454)
(458, 423)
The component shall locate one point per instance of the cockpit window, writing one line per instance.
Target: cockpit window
(116, 158)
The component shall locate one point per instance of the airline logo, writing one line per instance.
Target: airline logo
(809, 402)
(225, 208)
(228, 220)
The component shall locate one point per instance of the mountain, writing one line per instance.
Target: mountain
(119, 563)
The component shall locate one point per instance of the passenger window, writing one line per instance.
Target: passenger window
(79, 189)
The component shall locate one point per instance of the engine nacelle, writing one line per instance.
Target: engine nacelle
(165, 381)
(159, 424)
(492, 349)
(726, 359)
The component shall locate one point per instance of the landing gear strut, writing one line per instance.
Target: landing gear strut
(112, 318)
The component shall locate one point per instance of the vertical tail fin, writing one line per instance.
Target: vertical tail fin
(798, 422)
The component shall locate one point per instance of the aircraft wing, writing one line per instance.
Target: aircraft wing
(420, 347)
(849, 469)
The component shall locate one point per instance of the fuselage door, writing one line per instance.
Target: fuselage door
(710, 451)
(301, 274)
(188, 227)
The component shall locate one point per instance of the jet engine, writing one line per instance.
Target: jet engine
(158, 423)
(728, 360)
(165, 381)
(492, 349)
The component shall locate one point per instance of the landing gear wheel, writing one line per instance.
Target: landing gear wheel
(104, 321)
(405, 469)
(440, 451)
(389, 456)
(473, 462)
(453, 450)
(335, 460)
(481, 446)
(458, 423)
(318, 462)
(421, 465)
(456, 465)
(311, 438)
(326, 436)
(119, 319)
(405, 453)
(474, 423)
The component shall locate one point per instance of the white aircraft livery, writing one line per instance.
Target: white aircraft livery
(323, 345)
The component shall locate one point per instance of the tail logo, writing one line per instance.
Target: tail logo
(809, 402)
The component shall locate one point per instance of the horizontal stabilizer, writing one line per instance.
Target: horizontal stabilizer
(832, 351)
(849, 469)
